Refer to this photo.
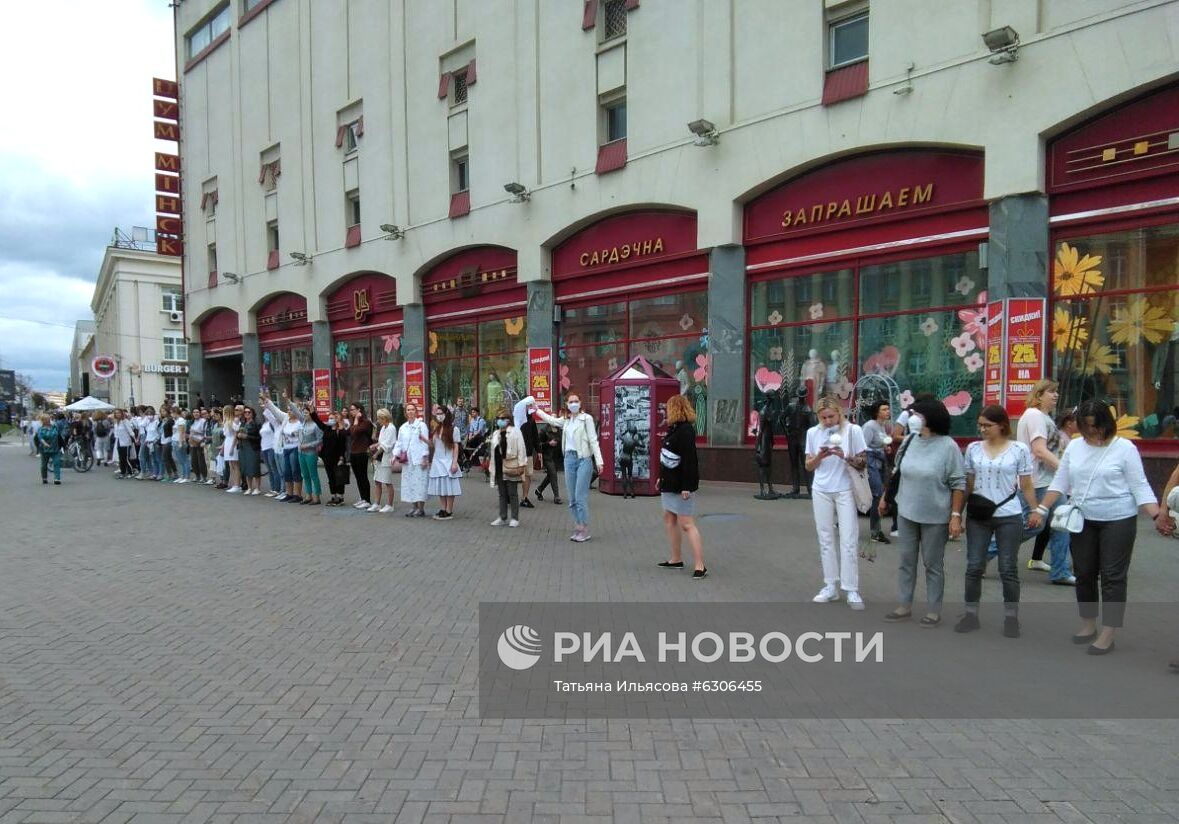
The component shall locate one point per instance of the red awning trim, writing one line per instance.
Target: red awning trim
(845, 83)
(611, 157)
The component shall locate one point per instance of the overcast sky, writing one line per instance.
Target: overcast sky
(76, 160)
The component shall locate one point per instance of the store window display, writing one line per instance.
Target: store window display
(483, 361)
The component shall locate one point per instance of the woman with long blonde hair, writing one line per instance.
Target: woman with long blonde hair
(679, 479)
(832, 446)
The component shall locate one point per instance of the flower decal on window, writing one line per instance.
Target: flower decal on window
(703, 365)
(929, 326)
(776, 353)
(1068, 332)
(342, 352)
(906, 399)
(884, 362)
(1139, 321)
(973, 362)
(392, 342)
(816, 310)
(1076, 275)
(565, 381)
(433, 342)
(963, 344)
(767, 381)
(1100, 359)
(775, 318)
(514, 326)
(974, 321)
(959, 402)
(686, 322)
(266, 358)
(964, 286)
(1126, 424)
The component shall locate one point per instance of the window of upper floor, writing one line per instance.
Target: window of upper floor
(208, 30)
(614, 120)
(847, 38)
(352, 208)
(175, 348)
(613, 19)
(172, 300)
(272, 236)
(460, 172)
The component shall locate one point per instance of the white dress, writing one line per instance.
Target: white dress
(383, 469)
(229, 448)
(414, 476)
(442, 482)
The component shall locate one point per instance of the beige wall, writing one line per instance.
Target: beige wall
(753, 67)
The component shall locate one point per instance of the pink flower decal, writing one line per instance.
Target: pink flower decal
(686, 322)
(906, 399)
(884, 362)
(816, 311)
(565, 381)
(754, 423)
(392, 342)
(964, 286)
(958, 403)
(767, 381)
(703, 365)
(974, 321)
(775, 317)
(973, 362)
(963, 344)
(928, 327)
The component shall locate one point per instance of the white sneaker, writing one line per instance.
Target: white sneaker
(894, 534)
(282, 496)
(1040, 565)
(386, 508)
(373, 508)
(210, 482)
(513, 522)
(855, 601)
(498, 522)
(826, 595)
(233, 490)
(256, 492)
(361, 505)
(270, 494)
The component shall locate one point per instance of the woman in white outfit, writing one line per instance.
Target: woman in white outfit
(583, 454)
(831, 446)
(444, 468)
(229, 449)
(413, 450)
(382, 455)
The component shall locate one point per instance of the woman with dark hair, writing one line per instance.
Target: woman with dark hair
(444, 466)
(930, 490)
(333, 453)
(249, 452)
(1103, 476)
(679, 479)
(877, 437)
(583, 455)
(998, 471)
(360, 438)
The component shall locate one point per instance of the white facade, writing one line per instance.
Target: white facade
(286, 79)
(81, 353)
(138, 321)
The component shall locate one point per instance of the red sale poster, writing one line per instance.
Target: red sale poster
(321, 382)
(540, 377)
(415, 384)
(1025, 327)
(993, 379)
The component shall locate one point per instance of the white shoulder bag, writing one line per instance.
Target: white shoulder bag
(1068, 517)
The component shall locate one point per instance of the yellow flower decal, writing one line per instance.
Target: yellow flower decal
(1125, 424)
(1068, 332)
(1139, 320)
(1075, 275)
(514, 326)
(433, 342)
(1100, 360)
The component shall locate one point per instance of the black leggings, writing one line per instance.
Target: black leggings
(125, 460)
(627, 469)
(332, 465)
(360, 470)
(200, 468)
(1103, 550)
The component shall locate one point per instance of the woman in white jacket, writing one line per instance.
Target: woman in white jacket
(508, 467)
(413, 451)
(382, 453)
(583, 453)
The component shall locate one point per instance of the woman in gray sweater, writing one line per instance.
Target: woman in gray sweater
(929, 502)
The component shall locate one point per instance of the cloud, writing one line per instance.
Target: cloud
(78, 163)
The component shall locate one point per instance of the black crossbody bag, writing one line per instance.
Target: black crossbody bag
(894, 480)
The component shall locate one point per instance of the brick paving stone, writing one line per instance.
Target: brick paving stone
(176, 654)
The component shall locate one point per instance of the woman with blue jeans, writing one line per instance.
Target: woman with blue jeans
(583, 453)
(998, 473)
(289, 434)
(270, 437)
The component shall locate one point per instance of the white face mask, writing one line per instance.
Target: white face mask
(916, 424)
(574, 407)
(440, 417)
(331, 421)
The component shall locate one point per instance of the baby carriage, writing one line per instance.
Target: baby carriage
(473, 453)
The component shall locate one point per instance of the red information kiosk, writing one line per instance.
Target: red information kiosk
(632, 417)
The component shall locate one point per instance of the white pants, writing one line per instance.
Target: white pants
(833, 508)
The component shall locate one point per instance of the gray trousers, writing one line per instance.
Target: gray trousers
(930, 541)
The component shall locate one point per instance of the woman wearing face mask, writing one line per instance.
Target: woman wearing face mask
(382, 455)
(360, 438)
(509, 463)
(334, 454)
(831, 446)
(877, 437)
(444, 467)
(930, 494)
(583, 454)
(413, 452)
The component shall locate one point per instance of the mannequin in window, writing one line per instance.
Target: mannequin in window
(763, 448)
(1163, 365)
(813, 371)
(832, 373)
(799, 418)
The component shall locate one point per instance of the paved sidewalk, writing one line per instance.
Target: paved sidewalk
(172, 653)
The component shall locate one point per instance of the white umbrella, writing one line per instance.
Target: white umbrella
(89, 404)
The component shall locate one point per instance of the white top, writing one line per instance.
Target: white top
(996, 478)
(410, 443)
(1120, 485)
(578, 434)
(1034, 425)
(387, 440)
(831, 474)
(229, 448)
(196, 432)
(151, 429)
(124, 432)
(267, 431)
(179, 426)
(445, 458)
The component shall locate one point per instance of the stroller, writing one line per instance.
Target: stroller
(473, 453)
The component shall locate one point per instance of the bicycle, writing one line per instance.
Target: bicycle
(82, 459)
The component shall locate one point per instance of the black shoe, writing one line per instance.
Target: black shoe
(700, 573)
(539, 497)
(411, 513)
(1099, 651)
(527, 504)
(440, 514)
(57, 483)
(880, 538)
(967, 623)
(1084, 639)
(45, 481)
(558, 501)
(421, 513)
(1011, 627)
(294, 499)
(670, 565)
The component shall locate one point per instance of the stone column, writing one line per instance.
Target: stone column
(726, 345)
(196, 372)
(1018, 250)
(542, 331)
(321, 345)
(414, 342)
(251, 367)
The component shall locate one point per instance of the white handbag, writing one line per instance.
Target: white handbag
(1068, 517)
